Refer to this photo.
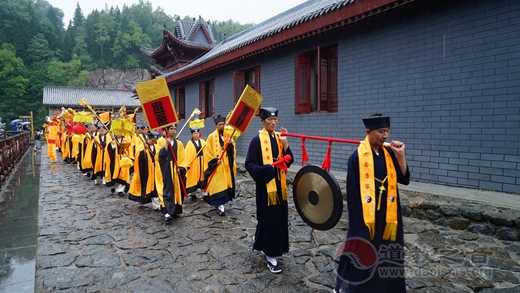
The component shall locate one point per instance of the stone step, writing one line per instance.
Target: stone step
(456, 212)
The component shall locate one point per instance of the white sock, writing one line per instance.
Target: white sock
(120, 188)
(167, 216)
(272, 260)
(221, 208)
(155, 203)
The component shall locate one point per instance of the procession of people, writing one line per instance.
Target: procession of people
(155, 166)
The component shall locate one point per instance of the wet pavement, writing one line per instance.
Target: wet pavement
(91, 241)
(19, 226)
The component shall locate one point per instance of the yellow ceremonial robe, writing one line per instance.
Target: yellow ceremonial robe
(221, 188)
(142, 186)
(85, 160)
(52, 139)
(100, 142)
(114, 173)
(194, 164)
(76, 141)
(161, 142)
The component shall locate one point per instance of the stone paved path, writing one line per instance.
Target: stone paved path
(91, 241)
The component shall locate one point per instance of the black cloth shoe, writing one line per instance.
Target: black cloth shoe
(275, 269)
(167, 219)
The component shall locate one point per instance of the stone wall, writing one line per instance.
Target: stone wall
(117, 79)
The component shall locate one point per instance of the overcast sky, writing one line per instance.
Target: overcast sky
(244, 11)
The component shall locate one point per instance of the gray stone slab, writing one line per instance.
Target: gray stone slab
(116, 244)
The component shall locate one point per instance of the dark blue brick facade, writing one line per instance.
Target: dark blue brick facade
(447, 74)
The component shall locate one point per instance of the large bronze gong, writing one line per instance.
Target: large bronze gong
(317, 197)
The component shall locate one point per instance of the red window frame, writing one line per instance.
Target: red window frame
(239, 81)
(180, 102)
(207, 98)
(323, 61)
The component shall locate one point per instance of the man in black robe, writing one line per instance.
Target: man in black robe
(373, 256)
(174, 188)
(272, 234)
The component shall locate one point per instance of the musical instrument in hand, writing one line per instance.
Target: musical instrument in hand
(317, 197)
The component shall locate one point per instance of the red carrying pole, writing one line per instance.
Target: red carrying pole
(321, 138)
(327, 160)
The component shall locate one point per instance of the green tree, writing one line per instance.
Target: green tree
(13, 84)
(126, 47)
(78, 20)
(38, 51)
(224, 29)
(66, 73)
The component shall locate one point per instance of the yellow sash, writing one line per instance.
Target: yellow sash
(87, 156)
(368, 191)
(265, 144)
(76, 139)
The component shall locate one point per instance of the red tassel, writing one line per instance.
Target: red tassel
(305, 156)
(326, 162)
(282, 162)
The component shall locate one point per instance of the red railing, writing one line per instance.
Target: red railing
(12, 148)
(327, 160)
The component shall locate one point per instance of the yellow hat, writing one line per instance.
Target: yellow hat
(197, 124)
(83, 117)
(105, 117)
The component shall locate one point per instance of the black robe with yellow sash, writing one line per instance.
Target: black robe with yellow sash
(272, 234)
(195, 165)
(173, 177)
(351, 278)
(111, 158)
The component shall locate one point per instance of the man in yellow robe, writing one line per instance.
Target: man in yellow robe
(117, 175)
(142, 186)
(52, 139)
(85, 160)
(219, 177)
(76, 141)
(194, 163)
(101, 139)
(66, 149)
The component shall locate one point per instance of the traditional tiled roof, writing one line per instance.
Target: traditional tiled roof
(295, 16)
(70, 96)
(185, 28)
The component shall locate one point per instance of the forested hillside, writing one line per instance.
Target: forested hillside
(38, 49)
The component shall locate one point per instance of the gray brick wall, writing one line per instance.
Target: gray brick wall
(448, 77)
